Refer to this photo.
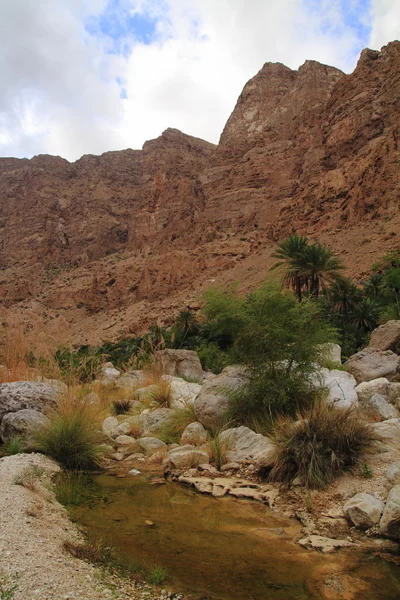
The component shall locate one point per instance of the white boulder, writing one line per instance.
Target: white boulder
(363, 510)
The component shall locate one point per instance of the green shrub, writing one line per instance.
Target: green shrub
(278, 339)
(79, 366)
(71, 488)
(71, 436)
(14, 446)
(212, 358)
(319, 445)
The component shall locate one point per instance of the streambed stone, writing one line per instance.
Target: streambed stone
(187, 456)
(243, 444)
(390, 521)
(21, 424)
(363, 510)
(151, 445)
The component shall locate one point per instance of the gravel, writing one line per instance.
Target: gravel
(33, 527)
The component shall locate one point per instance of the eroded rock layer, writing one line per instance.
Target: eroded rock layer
(112, 243)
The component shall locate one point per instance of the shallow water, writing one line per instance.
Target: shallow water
(220, 549)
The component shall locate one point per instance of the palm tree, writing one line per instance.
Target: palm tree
(319, 267)
(291, 252)
(343, 296)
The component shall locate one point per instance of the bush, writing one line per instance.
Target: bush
(71, 436)
(278, 339)
(161, 393)
(319, 445)
(212, 358)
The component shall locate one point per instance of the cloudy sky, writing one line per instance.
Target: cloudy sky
(87, 76)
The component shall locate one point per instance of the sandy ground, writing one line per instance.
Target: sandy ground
(33, 526)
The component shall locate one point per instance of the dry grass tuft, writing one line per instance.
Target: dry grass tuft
(161, 393)
(318, 446)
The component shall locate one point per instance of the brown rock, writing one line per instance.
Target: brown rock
(386, 337)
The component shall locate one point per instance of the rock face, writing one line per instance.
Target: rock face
(386, 337)
(20, 395)
(363, 510)
(390, 521)
(140, 232)
(181, 363)
(213, 401)
(371, 364)
(20, 424)
(245, 445)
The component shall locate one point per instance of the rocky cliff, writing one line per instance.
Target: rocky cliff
(111, 243)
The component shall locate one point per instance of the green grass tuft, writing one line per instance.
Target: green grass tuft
(14, 446)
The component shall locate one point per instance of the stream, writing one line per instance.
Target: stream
(223, 549)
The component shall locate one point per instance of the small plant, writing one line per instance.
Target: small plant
(30, 477)
(70, 488)
(7, 589)
(171, 430)
(366, 471)
(158, 575)
(94, 550)
(121, 406)
(320, 444)
(14, 446)
(70, 436)
(217, 448)
(161, 393)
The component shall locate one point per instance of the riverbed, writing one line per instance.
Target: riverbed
(224, 549)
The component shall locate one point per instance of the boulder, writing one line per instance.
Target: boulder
(388, 433)
(181, 363)
(186, 457)
(371, 363)
(341, 387)
(124, 428)
(390, 521)
(131, 379)
(383, 407)
(152, 421)
(127, 443)
(213, 400)
(331, 352)
(110, 427)
(245, 445)
(20, 395)
(183, 392)
(109, 372)
(194, 434)
(151, 445)
(386, 337)
(367, 389)
(21, 424)
(363, 510)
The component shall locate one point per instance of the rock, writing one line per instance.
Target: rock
(383, 407)
(244, 444)
(386, 337)
(187, 456)
(388, 433)
(127, 444)
(181, 363)
(124, 428)
(367, 389)
(393, 474)
(151, 445)
(145, 393)
(194, 434)
(207, 468)
(134, 472)
(152, 421)
(318, 542)
(130, 380)
(341, 387)
(20, 395)
(232, 466)
(390, 521)
(183, 393)
(109, 372)
(371, 364)
(213, 400)
(363, 510)
(110, 427)
(21, 424)
(331, 352)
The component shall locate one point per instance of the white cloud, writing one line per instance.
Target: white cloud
(58, 84)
